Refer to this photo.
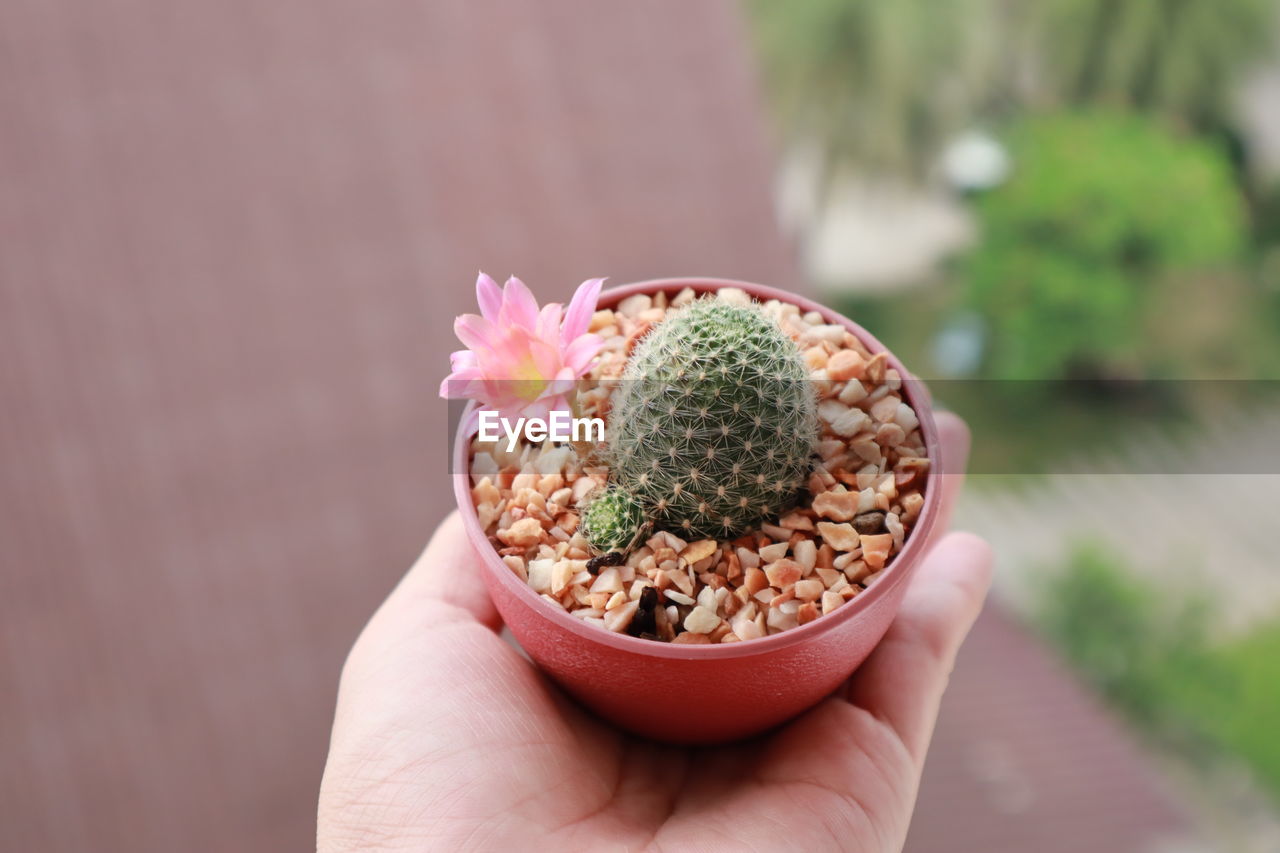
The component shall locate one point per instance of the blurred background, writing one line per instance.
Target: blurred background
(233, 238)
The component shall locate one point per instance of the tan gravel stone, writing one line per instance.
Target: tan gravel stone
(809, 590)
(806, 554)
(850, 423)
(699, 550)
(796, 521)
(677, 596)
(620, 617)
(634, 304)
(540, 575)
(561, 573)
(691, 638)
(838, 505)
(875, 549)
(522, 533)
(517, 566)
(842, 537)
(776, 551)
(783, 573)
(806, 613)
(755, 581)
(609, 581)
(846, 364)
(701, 620)
(852, 392)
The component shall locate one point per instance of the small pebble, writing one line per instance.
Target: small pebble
(875, 549)
(523, 533)
(806, 554)
(837, 505)
(867, 523)
(701, 620)
(613, 558)
(809, 590)
(644, 622)
(842, 537)
(700, 550)
(783, 573)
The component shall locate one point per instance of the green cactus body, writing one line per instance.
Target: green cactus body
(611, 519)
(714, 425)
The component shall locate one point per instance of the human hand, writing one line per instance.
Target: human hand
(445, 737)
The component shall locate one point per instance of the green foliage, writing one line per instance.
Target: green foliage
(881, 85)
(1101, 208)
(1147, 650)
(1129, 641)
(714, 424)
(873, 83)
(1239, 710)
(1170, 57)
(611, 520)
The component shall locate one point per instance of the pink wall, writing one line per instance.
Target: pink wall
(232, 239)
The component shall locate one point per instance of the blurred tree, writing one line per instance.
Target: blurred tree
(873, 84)
(1132, 642)
(1099, 209)
(883, 85)
(1150, 650)
(1180, 58)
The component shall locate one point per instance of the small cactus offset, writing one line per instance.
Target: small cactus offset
(714, 425)
(611, 519)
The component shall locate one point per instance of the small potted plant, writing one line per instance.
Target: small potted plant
(695, 502)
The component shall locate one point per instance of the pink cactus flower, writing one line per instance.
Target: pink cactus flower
(522, 361)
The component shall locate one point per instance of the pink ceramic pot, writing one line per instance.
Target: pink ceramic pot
(705, 694)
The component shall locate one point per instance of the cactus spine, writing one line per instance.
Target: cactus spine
(611, 519)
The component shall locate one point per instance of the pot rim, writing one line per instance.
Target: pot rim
(895, 573)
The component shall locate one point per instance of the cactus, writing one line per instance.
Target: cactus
(611, 519)
(714, 425)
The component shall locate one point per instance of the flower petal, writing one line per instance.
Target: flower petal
(474, 331)
(507, 356)
(520, 359)
(499, 395)
(581, 307)
(461, 359)
(464, 382)
(489, 295)
(546, 356)
(549, 323)
(580, 353)
(539, 408)
(558, 403)
(518, 305)
(562, 384)
(466, 374)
